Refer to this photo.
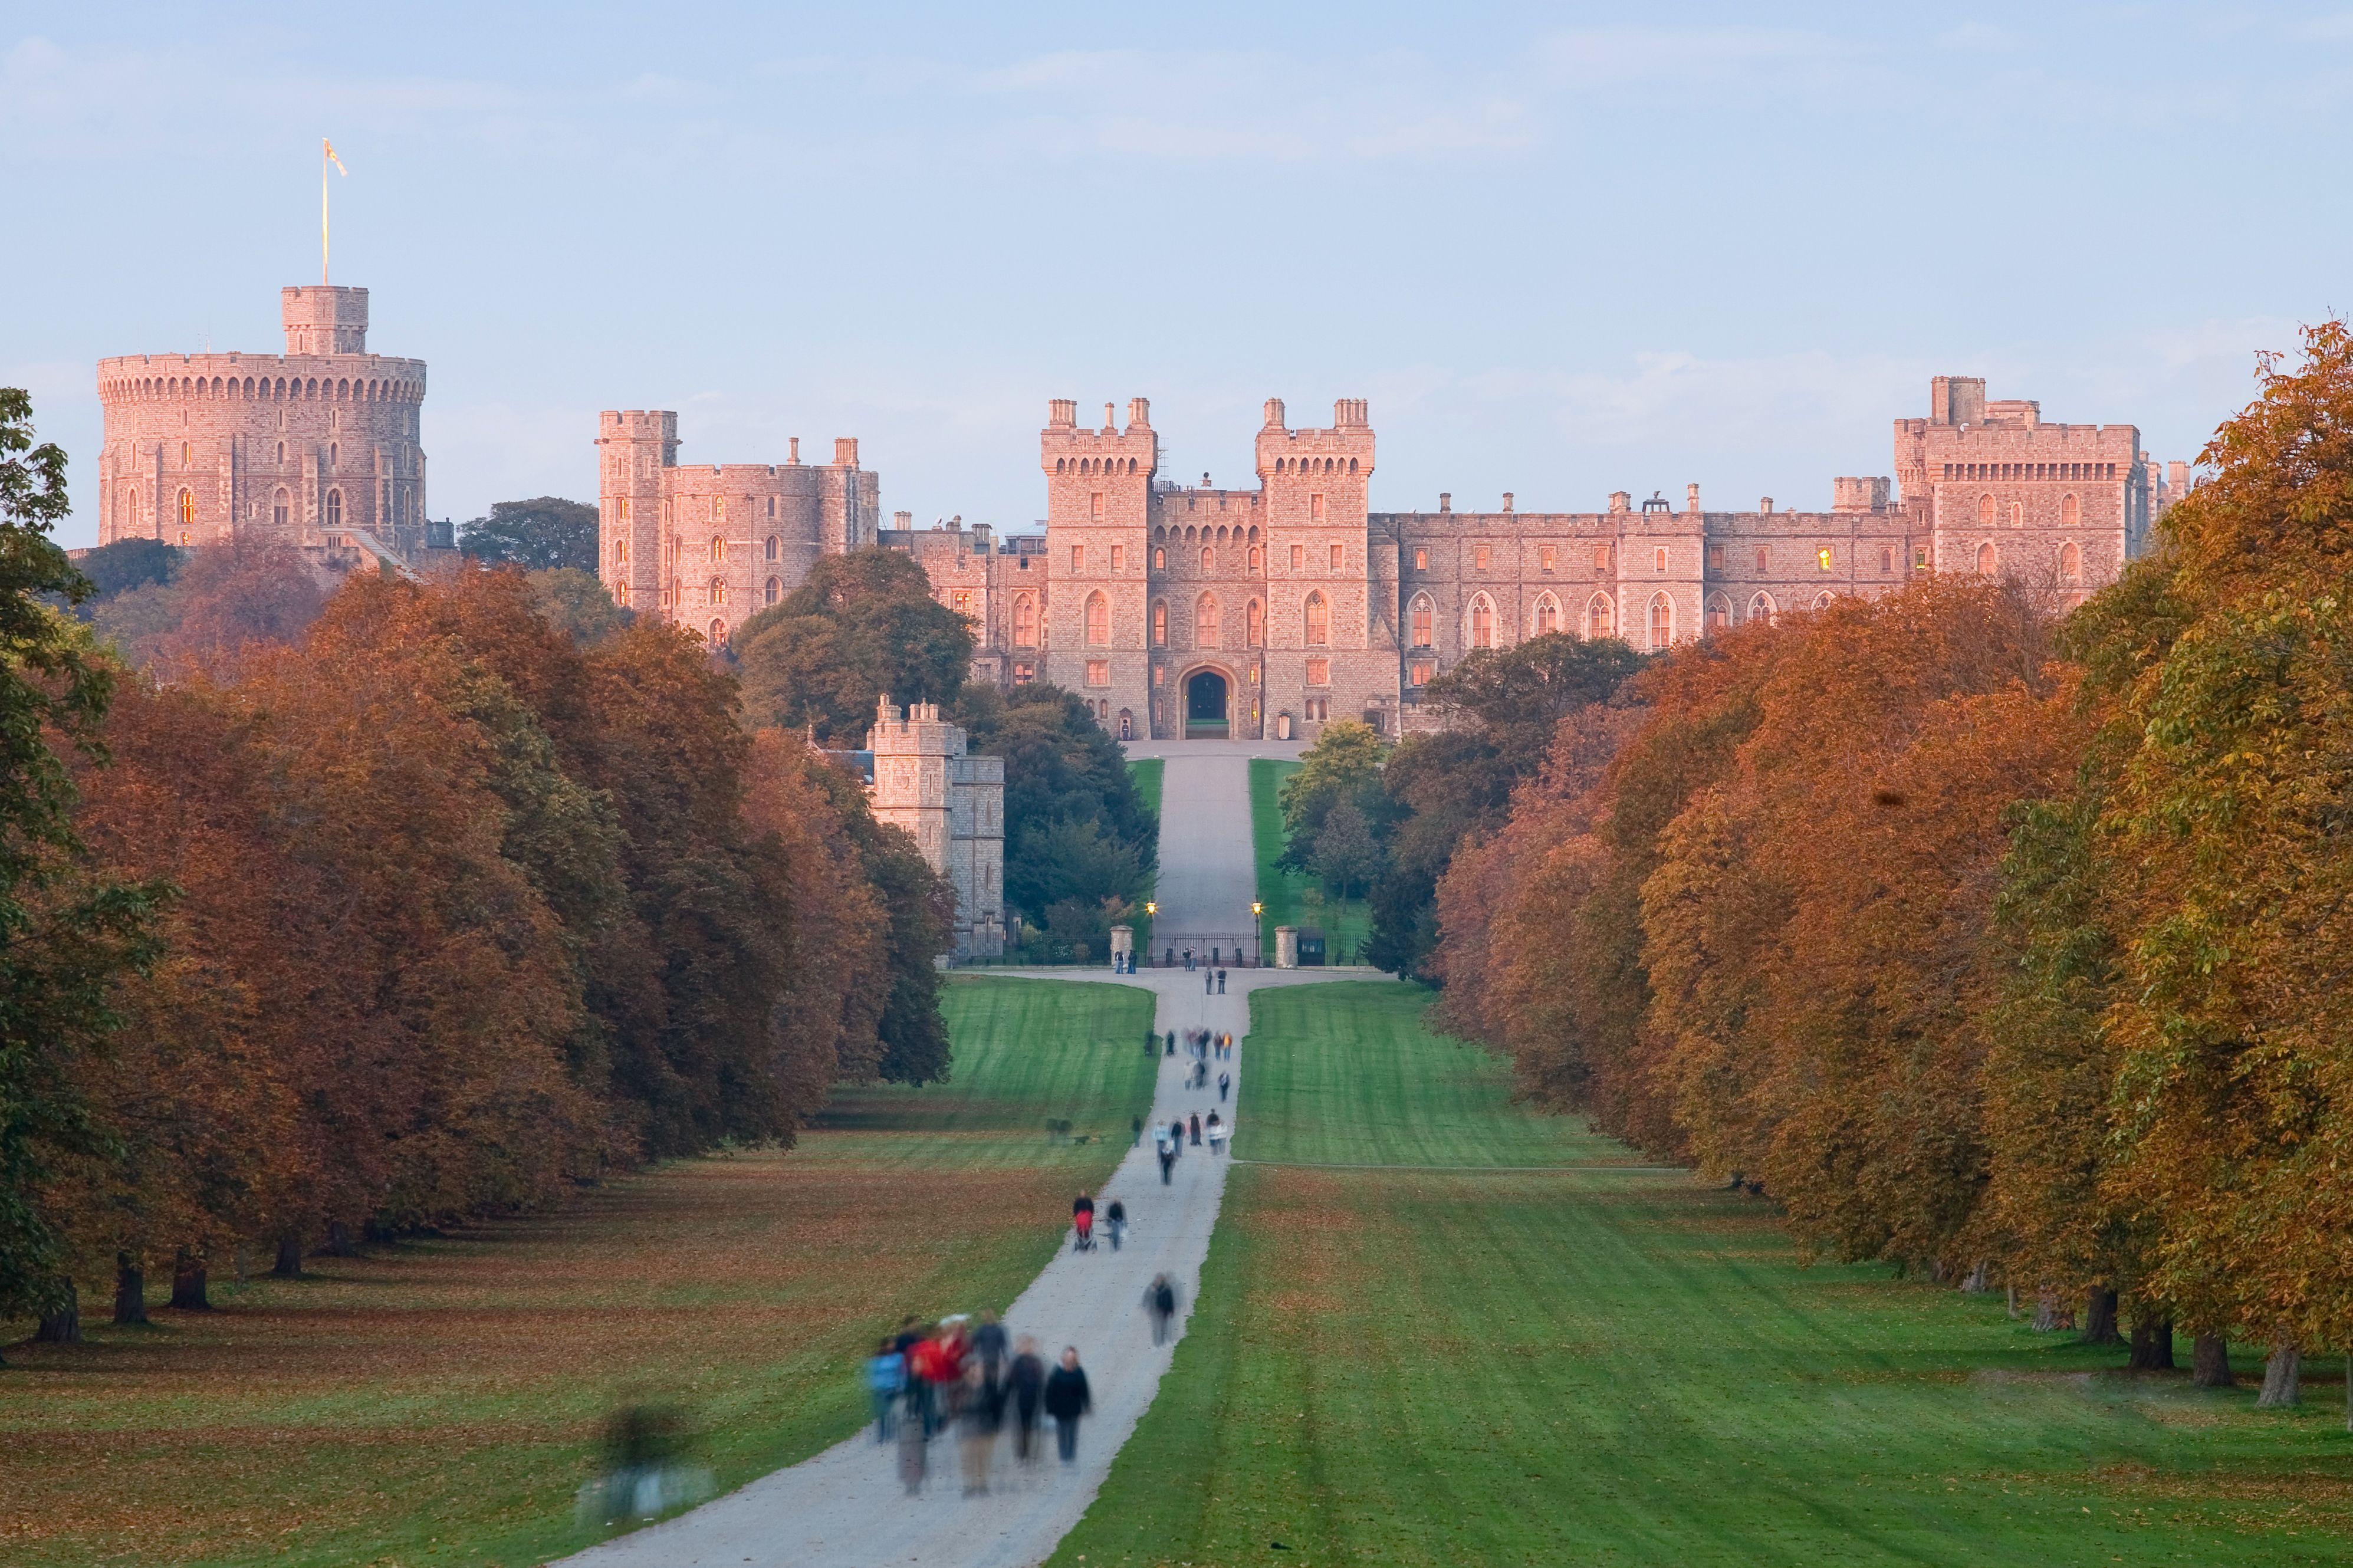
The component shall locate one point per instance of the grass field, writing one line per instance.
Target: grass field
(439, 1401)
(1290, 899)
(1600, 1365)
(1147, 772)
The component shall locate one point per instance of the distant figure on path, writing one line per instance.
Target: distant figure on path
(886, 1382)
(1208, 983)
(1027, 1380)
(976, 1428)
(1221, 982)
(1160, 1301)
(1167, 1160)
(1083, 1222)
(1176, 1135)
(1216, 1132)
(1138, 1140)
(1115, 1221)
(1172, 1042)
(988, 1348)
(1225, 1082)
(1066, 1401)
(915, 1447)
(1196, 1130)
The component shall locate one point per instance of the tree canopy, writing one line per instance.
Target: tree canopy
(860, 625)
(546, 533)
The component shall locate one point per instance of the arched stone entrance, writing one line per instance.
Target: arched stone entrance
(1209, 703)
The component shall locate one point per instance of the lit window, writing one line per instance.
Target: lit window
(1420, 670)
(1160, 623)
(188, 508)
(1483, 622)
(620, 553)
(1421, 560)
(1481, 554)
(1097, 672)
(1318, 619)
(963, 602)
(1920, 557)
(718, 549)
(1659, 559)
(1098, 621)
(1822, 558)
(1159, 560)
(1423, 617)
(621, 512)
(718, 510)
(1544, 554)
(1319, 672)
(1600, 621)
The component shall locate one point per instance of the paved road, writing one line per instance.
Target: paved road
(845, 1508)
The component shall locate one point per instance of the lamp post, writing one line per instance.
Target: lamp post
(1151, 908)
(1257, 940)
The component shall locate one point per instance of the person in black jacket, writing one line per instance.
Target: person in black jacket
(1027, 1381)
(1066, 1401)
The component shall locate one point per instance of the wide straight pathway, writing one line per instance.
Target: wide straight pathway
(845, 1508)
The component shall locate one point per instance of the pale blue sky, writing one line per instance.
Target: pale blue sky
(1563, 250)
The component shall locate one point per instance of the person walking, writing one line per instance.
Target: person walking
(886, 1383)
(1066, 1400)
(1026, 1378)
(1196, 1130)
(1208, 983)
(1138, 1141)
(1225, 1082)
(1172, 1042)
(976, 1428)
(1115, 1221)
(988, 1348)
(915, 1447)
(1216, 1132)
(1221, 982)
(1082, 1223)
(1176, 1135)
(1160, 1303)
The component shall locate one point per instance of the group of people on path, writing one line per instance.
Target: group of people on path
(1082, 1220)
(971, 1379)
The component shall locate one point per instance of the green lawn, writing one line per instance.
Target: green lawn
(1147, 772)
(439, 1400)
(1290, 899)
(1609, 1364)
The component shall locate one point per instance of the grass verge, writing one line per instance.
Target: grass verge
(438, 1401)
(1147, 773)
(1602, 1364)
(1290, 899)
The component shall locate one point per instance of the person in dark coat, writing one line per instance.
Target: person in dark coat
(1066, 1400)
(1160, 1303)
(1196, 1130)
(1026, 1381)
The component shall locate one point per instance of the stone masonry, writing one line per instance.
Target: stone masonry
(317, 446)
(953, 805)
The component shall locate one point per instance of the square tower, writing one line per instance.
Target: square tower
(1098, 516)
(634, 447)
(1330, 648)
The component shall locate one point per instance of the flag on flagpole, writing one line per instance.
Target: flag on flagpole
(338, 162)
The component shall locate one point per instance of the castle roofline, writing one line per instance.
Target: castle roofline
(223, 361)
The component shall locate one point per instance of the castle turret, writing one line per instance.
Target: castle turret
(1326, 598)
(1098, 514)
(634, 447)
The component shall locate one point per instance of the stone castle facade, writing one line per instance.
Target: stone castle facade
(1181, 611)
(317, 447)
(953, 805)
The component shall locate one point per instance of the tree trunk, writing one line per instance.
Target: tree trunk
(2210, 1361)
(130, 1290)
(2152, 1345)
(188, 1284)
(2282, 1375)
(338, 1241)
(1979, 1279)
(2013, 1300)
(2046, 1311)
(2100, 1320)
(61, 1325)
(289, 1258)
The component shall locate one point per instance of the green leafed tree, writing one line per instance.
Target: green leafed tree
(860, 625)
(545, 534)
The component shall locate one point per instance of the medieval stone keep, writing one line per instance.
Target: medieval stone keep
(315, 448)
(1180, 611)
(953, 805)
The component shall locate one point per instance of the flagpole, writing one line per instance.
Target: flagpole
(323, 209)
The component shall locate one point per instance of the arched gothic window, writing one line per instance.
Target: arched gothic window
(1482, 621)
(1208, 558)
(1663, 622)
(1719, 611)
(1257, 627)
(1423, 618)
(1985, 512)
(1987, 560)
(1159, 623)
(1159, 560)
(775, 590)
(718, 548)
(719, 634)
(1547, 615)
(718, 592)
(1098, 621)
(188, 508)
(1206, 631)
(1822, 599)
(771, 547)
(1257, 558)
(1024, 621)
(1600, 617)
(2071, 511)
(1317, 616)
(334, 509)
(1760, 608)
(2070, 562)
(282, 508)
(2017, 514)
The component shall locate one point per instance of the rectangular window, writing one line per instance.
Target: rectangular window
(1920, 557)
(1421, 560)
(1715, 557)
(1887, 558)
(1822, 557)
(963, 601)
(1159, 674)
(1097, 672)
(1422, 670)
(1023, 674)
(1545, 555)
(1298, 558)
(1094, 505)
(1659, 559)
(1601, 558)
(1760, 558)
(1339, 556)
(1316, 508)
(1319, 672)
(1078, 558)
(1481, 554)
(1118, 556)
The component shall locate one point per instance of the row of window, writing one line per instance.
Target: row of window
(1337, 558)
(282, 506)
(280, 388)
(2071, 511)
(1965, 471)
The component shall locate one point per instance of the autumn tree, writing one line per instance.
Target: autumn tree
(546, 533)
(860, 625)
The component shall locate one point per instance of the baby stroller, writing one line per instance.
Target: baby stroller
(1083, 1228)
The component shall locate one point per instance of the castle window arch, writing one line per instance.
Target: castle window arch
(1985, 512)
(718, 545)
(1207, 629)
(1059, 463)
(334, 454)
(1823, 600)
(282, 508)
(188, 508)
(1253, 533)
(1482, 621)
(281, 454)
(334, 509)
(1663, 622)
(1352, 465)
(1159, 559)
(770, 547)
(1098, 621)
(1315, 615)
(1760, 608)
(1719, 613)
(1601, 616)
(1254, 635)
(1547, 616)
(1257, 558)
(2017, 514)
(2071, 511)
(1987, 559)
(774, 590)
(1422, 618)
(719, 634)
(1024, 621)
(2070, 562)
(1208, 558)
(1159, 623)
(717, 593)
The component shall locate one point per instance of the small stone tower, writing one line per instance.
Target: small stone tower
(634, 447)
(953, 805)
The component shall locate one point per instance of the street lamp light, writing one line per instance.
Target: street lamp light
(1258, 940)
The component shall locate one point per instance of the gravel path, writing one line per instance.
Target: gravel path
(845, 1508)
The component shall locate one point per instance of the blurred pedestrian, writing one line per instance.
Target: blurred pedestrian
(976, 1427)
(988, 1349)
(1138, 1140)
(1168, 1161)
(1082, 1223)
(886, 1384)
(1115, 1221)
(1027, 1380)
(1221, 982)
(1196, 1130)
(1225, 1082)
(914, 1452)
(1176, 1135)
(1066, 1400)
(1160, 1302)
(1216, 1129)
(1208, 983)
